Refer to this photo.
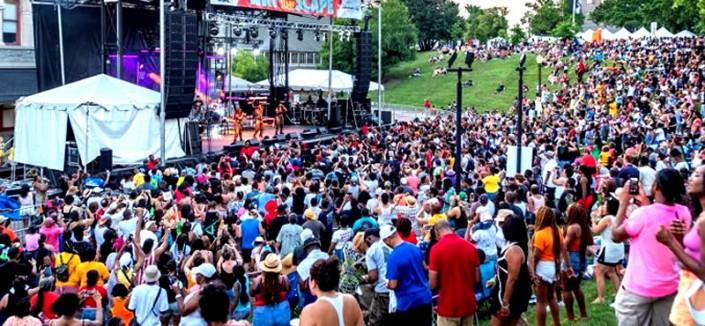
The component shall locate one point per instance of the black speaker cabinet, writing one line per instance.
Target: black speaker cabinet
(105, 161)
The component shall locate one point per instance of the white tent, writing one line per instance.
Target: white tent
(641, 33)
(239, 84)
(312, 80)
(104, 112)
(607, 35)
(622, 34)
(663, 33)
(587, 35)
(686, 33)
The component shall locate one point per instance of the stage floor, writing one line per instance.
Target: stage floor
(220, 139)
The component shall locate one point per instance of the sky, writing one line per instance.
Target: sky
(516, 8)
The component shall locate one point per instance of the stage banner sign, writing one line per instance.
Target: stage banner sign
(351, 9)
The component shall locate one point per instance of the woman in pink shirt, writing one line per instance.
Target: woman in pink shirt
(688, 250)
(52, 232)
(651, 279)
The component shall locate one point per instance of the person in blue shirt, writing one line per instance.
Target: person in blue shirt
(95, 181)
(365, 222)
(407, 277)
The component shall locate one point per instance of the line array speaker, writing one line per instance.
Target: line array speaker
(181, 63)
(363, 66)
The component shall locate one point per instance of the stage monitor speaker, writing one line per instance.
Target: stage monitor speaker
(266, 142)
(322, 130)
(105, 161)
(192, 139)
(281, 137)
(336, 130)
(294, 136)
(309, 133)
(363, 66)
(254, 142)
(181, 62)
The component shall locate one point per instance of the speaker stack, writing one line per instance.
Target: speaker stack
(192, 139)
(363, 66)
(105, 161)
(181, 62)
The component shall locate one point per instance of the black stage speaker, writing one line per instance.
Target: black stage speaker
(309, 133)
(192, 139)
(105, 161)
(266, 142)
(469, 58)
(276, 94)
(386, 117)
(254, 142)
(282, 137)
(363, 66)
(181, 63)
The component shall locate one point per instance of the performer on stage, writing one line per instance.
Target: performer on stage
(258, 115)
(279, 119)
(237, 119)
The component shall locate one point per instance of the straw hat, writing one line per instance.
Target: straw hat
(359, 242)
(288, 264)
(152, 274)
(309, 214)
(271, 264)
(410, 201)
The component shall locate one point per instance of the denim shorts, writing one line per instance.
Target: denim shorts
(575, 263)
(276, 315)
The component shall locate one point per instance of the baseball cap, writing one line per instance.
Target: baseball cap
(207, 270)
(387, 231)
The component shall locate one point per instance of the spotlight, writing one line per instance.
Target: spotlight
(220, 50)
(237, 31)
(300, 35)
(213, 29)
(272, 33)
(317, 35)
(284, 33)
(254, 33)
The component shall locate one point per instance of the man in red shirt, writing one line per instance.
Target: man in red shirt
(455, 266)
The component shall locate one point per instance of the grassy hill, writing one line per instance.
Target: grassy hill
(440, 90)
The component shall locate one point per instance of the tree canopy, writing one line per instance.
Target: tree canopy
(634, 14)
(484, 24)
(250, 67)
(399, 37)
(434, 20)
(546, 17)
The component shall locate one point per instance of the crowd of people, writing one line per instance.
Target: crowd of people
(372, 228)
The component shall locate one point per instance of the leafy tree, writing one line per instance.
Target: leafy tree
(693, 9)
(517, 35)
(250, 67)
(565, 29)
(544, 16)
(484, 24)
(633, 14)
(434, 20)
(399, 37)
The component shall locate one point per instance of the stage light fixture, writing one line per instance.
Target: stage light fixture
(300, 35)
(254, 33)
(272, 33)
(220, 50)
(284, 33)
(237, 31)
(213, 29)
(317, 35)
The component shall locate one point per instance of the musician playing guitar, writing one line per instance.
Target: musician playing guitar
(237, 123)
(258, 115)
(279, 119)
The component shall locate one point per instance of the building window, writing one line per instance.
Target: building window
(10, 22)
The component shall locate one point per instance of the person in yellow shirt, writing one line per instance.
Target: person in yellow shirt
(138, 178)
(71, 260)
(613, 108)
(89, 263)
(605, 156)
(491, 183)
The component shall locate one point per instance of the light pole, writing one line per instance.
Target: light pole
(539, 63)
(379, 61)
(520, 106)
(458, 118)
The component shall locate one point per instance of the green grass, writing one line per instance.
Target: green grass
(598, 314)
(440, 90)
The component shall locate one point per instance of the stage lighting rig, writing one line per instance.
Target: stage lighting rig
(272, 33)
(237, 31)
(213, 29)
(284, 33)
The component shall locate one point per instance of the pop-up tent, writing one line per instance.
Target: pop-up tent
(622, 34)
(641, 33)
(587, 35)
(685, 33)
(104, 112)
(313, 80)
(663, 33)
(239, 84)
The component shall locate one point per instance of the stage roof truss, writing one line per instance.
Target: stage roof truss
(244, 21)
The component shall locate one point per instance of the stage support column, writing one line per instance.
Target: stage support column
(62, 63)
(118, 38)
(162, 74)
(379, 63)
(330, 67)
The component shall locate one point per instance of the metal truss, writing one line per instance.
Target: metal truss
(244, 21)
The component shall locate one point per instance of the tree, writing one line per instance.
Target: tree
(565, 29)
(399, 37)
(544, 16)
(695, 10)
(250, 67)
(434, 20)
(517, 35)
(633, 14)
(484, 24)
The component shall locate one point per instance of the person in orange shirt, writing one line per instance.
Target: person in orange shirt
(5, 229)
(548, 249)
(121, 296)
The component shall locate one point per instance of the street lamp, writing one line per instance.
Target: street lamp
(520, 111)
(539, 63)
(458, 116)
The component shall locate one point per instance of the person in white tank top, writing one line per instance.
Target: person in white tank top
(332, 308)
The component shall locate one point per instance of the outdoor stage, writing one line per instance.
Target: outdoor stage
(220, 139)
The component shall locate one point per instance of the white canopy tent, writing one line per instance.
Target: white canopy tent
(312, 80)
(104, 112)
(663, 33)
(622, 34)
(686, 33)
(607, 35)
(239, 85)
(641, 33)
(587, 35)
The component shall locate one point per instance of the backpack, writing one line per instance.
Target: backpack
(62, 271)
